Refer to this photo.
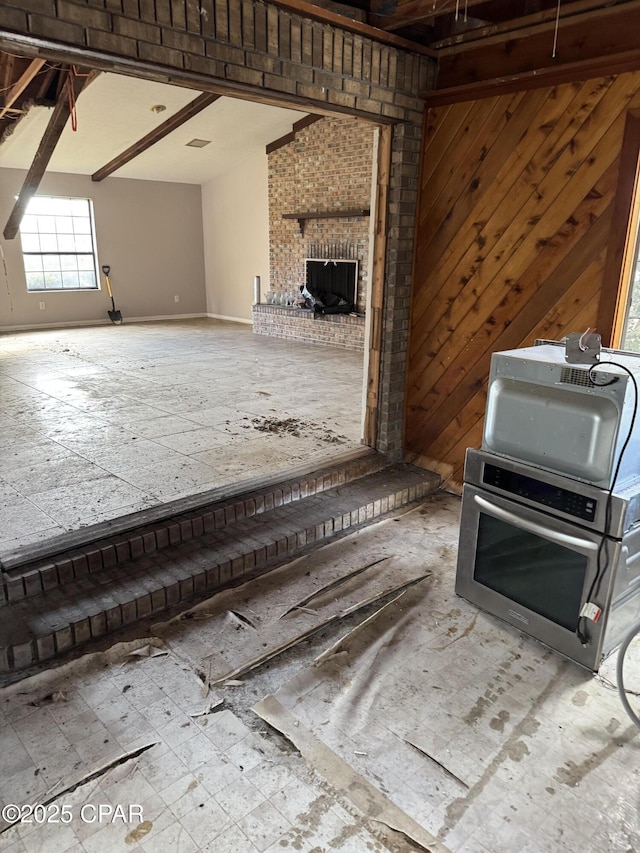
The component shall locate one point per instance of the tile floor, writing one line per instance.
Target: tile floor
(489, 741)
(98, 422)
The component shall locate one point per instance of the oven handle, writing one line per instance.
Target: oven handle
(532, 527)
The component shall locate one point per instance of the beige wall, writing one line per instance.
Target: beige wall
(150, 233)
(236, 238)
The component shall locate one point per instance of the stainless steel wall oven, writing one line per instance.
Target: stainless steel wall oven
(550, 525)
(531, 546)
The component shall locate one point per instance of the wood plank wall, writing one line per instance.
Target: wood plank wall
(514, 215)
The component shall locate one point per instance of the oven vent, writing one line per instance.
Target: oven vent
(576, 376)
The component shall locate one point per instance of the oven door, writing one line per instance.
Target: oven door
(532, 570)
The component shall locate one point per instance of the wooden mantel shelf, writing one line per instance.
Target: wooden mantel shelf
(325, 214)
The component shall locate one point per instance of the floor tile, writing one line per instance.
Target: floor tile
(154, 415)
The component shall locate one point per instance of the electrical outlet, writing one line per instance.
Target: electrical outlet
(42, 306)
(176, 298)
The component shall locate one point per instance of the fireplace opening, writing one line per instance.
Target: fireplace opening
(332, 284)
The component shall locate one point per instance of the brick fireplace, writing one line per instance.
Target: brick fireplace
(319, 198)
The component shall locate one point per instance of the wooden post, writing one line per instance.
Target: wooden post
(379, 256)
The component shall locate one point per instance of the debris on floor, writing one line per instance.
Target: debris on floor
(297, 427)
(348, 701)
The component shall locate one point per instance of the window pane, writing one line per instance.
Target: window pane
(81, 225)
(29, 224)
(79, 207)
(66, 242)
(30, 242)
(88, 279)
(68, 262)
(33, 263)
(70, 279)
(83, 244)
(64, 225)
(51, 262)
(39, 204)
(53, 280)
(46, 224)
(85, 262)
(35, 281)
(48, 243)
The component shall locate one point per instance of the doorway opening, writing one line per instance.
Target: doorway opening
(65, 376)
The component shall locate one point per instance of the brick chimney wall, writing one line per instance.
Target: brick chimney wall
(327, 167)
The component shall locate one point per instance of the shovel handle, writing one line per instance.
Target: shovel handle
(108, 287)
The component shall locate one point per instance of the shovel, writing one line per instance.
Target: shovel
(114, 315)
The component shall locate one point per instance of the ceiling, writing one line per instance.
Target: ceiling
(439, 24)
(114, 112)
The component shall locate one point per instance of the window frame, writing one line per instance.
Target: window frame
(624, 239)
(93, 253)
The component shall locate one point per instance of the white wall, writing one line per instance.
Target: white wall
(150, 233)
(235, 215)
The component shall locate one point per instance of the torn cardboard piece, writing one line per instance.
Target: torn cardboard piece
(347, 782)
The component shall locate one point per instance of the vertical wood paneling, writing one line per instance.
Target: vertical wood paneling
(514, 217)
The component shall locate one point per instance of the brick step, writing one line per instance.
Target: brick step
(68, 616)
(73, 556)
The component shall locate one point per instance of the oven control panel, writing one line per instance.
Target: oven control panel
(563, 500)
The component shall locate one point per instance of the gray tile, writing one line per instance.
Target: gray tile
(71, 505)
(69, 394)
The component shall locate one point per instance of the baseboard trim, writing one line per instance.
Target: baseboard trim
(71, 323)
(230, 319)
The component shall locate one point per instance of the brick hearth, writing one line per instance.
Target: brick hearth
(337, 330)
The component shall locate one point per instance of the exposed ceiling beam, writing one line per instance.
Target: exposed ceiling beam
(290, 137)
(541, 77)
(7, 61)
(74, 84)
(588, 37)
(158, 133)
(20, 85)
(406, 12)
(587, 10)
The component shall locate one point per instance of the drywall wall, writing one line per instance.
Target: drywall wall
(235, 219)
(150, 233)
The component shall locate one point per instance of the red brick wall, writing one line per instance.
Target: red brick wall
(326, 168)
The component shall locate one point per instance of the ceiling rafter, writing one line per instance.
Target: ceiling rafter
(584, 10)
(75, 82)
(21, 84)
(172, 123)
(407, 12)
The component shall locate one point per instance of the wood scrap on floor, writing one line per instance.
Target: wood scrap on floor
(274, 651)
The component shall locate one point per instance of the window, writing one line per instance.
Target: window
(631, 332)
(58, 244)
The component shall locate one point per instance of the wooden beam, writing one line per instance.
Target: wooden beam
(7, 62)
(378, 267)
(172, 123)
(289, 137)
(74, 85)
(604, 66)
(20, 85)
(527, 25)
(580, 39)
(405, 12)
(305, 121)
